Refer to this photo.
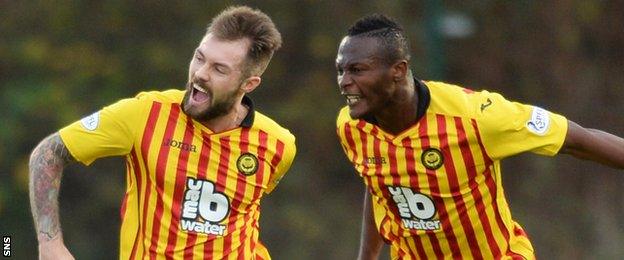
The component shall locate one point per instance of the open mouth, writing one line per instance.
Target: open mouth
(352, 99)
(199, 94)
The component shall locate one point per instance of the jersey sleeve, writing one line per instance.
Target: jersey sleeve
(108, 132)
(509, 128)
(284, 164)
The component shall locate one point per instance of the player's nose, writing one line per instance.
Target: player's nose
(344, 81)
(203, 74)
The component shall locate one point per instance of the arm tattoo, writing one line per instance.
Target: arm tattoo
(46, 168)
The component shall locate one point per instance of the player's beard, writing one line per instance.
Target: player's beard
(216, 109)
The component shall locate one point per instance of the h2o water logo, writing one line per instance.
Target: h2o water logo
(202, 202)
(416, 209)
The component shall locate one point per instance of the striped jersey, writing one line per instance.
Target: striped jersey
(436, 187)
(191, 193)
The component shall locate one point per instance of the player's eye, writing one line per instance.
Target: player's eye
(356, 69)
(198, 56)
(221, 69)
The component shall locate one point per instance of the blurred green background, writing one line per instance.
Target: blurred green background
(62, 60)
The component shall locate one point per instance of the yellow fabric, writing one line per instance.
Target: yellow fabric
(178, 170)
(436, 187)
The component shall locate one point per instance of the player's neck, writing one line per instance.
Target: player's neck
(228, 121)
(401, 113)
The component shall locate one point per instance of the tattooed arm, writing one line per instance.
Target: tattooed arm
(46, 168)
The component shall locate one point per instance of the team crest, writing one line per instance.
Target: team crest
(432, 158)
(247, 164)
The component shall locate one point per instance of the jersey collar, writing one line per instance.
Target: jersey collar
(424, 98)
(249, 118)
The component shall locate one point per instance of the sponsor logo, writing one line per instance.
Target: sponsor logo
(6, 246)
(91, 122)
(247, 164)
(540, 121)
(375, 160)
(432, 158)
(415, 209)
(180, 145)
(203, 208)
(487, 103)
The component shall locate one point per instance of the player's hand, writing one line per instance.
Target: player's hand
(54, 250)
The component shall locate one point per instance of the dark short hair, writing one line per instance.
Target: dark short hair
(242, 22)
(387, 31)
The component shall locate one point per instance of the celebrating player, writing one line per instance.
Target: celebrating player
(198, 160)
(429, 152)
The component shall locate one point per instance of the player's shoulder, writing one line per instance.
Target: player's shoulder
(164, 96)
(343, 116)
(272, 128)
(456, 100)
(140, 103)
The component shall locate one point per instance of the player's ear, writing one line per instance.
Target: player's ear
(251, 83)
(399, 70)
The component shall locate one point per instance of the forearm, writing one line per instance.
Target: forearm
(370, 240)
(607, 149)
(45, 170)
(595, 145)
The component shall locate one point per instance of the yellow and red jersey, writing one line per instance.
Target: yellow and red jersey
(436, 187)
(191, 193)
